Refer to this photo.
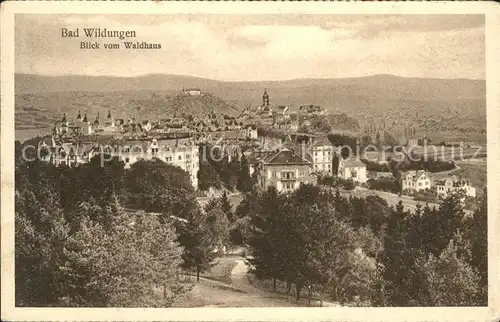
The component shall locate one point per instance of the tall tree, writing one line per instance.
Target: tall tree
(479, 243)
(40, 234)
(244, 183)
(160, 187)
(226, 207)
(264, 239)
(196, 236)
(450, 279)
(396, 259)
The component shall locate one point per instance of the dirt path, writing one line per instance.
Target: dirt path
(240, 293)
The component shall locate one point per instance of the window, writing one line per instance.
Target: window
(168, 159)
(287, 175)
(127, 160)
(180, 157)
(420, 184)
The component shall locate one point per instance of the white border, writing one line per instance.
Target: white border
(9, 312)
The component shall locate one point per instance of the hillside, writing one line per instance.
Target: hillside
(449, 105)
(199, 105)
(41, 110)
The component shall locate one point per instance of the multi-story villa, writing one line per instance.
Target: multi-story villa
(414, 181)
(183, 153)
(71, 154)
(284, 170)
(352, 168)
(449, 185)
(321, 153)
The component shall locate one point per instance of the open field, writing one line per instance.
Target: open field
(475, 171)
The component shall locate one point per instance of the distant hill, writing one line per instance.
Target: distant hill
(376, 86)
(196, 105)
(396, 102)
(43, 109)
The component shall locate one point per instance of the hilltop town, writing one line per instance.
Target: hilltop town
(280, 145)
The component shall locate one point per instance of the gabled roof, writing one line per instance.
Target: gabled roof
(415, 174)
(352, 163)
(285, 156)
(322, 141)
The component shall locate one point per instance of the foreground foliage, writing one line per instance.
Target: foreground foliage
(77, 246)
(363, 251)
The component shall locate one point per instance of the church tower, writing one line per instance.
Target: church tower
(265, 99)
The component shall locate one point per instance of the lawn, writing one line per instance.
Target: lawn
(221, 271)
(281, 288)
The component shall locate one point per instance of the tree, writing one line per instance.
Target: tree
(196, 237)
(103, 267)
(396, 260)
(160, 187)
(233, 173)
(244, 180)
(479, 243)
(264, 238)
(316, 244)
(226, 207)
(450, 279)
(218, 224)
(90, 253)
(348, 184)
(208, 177)
(40, 234)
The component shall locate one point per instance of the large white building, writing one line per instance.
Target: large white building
(183, 153)
(414, 181)
(352, 168)
(321, 154)
(452, 184)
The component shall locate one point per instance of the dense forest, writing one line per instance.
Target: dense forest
(364, 252)
(104, 236)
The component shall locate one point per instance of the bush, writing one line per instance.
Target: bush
(384, 184)
(348, 184)
(425, 196)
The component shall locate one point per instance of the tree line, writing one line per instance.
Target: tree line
(105, 236)
(363, 251)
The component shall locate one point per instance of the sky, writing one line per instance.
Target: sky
(259, 47)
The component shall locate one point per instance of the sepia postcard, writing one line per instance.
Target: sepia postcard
(222, 161)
